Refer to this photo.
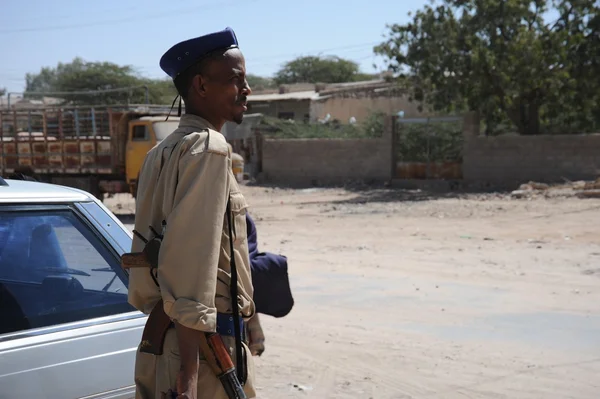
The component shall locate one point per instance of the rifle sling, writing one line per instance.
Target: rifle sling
(241, 369)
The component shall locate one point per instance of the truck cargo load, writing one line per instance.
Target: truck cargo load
(99, 149)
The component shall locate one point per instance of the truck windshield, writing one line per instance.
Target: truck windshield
(163, 129)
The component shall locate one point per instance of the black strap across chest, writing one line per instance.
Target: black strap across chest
(233, 287)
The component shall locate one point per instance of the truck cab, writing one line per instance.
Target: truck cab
(144, 133)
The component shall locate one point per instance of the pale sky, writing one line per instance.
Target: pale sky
(39, 33)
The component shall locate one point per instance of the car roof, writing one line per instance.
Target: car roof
(13, 191)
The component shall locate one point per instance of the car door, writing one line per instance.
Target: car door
(67, 329)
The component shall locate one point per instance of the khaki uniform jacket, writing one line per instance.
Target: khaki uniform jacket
(190, 195)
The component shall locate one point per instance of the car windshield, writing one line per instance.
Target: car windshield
(53, 265)
(163, 129)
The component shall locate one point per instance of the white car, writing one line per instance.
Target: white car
(66, 329)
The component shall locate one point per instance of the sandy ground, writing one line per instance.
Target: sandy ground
(403, 295)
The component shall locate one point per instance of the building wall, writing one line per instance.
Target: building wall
(343, 108)
(502, 161)
(510, 160)
(300, 108)
(326, 161)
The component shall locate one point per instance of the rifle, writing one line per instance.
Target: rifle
(211, 345)
(155, 330)
(217, 357)
(221, 364)
(149, 255)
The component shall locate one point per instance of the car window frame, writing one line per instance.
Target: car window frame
(93, 224)
(99, 216)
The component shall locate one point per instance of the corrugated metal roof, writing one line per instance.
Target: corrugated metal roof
(233, 131)
(299, 95)
(160, 118)
(360, 83)
(356, 86)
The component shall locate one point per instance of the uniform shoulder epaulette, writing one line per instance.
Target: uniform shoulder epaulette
(208, 141)
(216, 143)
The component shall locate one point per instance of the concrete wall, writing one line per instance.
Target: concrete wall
(300, 108)
(343, 108)
(510, 160)
(326, 161)
(339, 107)
(503, 161)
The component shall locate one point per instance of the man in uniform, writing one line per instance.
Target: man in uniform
(184, 187)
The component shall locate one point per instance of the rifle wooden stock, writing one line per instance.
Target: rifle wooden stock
(134, 259)
(155, 330)
(211, 344)
(220, 362)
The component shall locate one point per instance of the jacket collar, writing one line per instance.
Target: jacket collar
(194, 121)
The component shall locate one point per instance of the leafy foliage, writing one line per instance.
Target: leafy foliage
(433, 142)
(313, 69)
(259, 83)
(501, 58)
(80, 75)
(372, 127)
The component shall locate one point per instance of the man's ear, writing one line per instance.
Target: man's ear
(199, 85)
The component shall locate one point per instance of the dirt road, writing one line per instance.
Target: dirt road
(401, 295)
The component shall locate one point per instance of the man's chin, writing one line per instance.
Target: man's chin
(238, 118)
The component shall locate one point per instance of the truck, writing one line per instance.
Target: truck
(99, 149)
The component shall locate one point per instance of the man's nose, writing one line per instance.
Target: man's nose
(246, 90)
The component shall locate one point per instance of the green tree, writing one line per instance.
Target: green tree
(260, 83)
(2, 91)
(503, 59)
(313, 69)
(80, 75)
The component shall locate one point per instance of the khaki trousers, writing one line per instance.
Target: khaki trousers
(156, 374)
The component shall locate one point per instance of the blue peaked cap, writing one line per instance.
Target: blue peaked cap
(187, 53)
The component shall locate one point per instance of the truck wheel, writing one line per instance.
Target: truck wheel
(133, 187)
(98, 194)
(95, 189)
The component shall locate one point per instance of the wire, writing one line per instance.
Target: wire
(259, 64)
(273, 58)
(354, 46)
(125, 20)
(259, 61)
(62, 16)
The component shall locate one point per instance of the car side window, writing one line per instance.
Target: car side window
(54, 269)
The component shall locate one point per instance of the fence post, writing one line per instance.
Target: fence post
(428, 161)
(471, 124)
(390, 129)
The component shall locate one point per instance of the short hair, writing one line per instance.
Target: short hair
(183, 82)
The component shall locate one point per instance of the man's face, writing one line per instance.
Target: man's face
(226, 87)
